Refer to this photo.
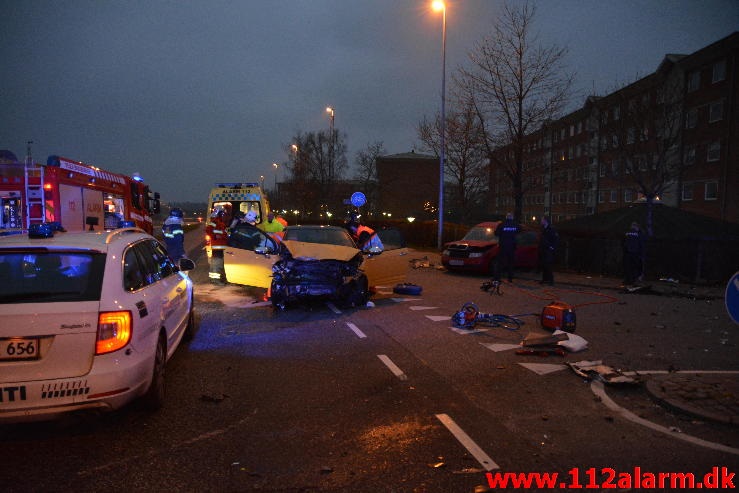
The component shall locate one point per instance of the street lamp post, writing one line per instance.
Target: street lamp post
(330, 111)
(277, 169)
(440, 6)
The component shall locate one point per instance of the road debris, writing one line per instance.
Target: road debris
(597, 370)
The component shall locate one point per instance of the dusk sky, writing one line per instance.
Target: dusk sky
(192, 92)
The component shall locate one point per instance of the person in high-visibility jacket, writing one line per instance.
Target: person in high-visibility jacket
(173, 230)
(364, 236)
(273, 227)
(217, 235)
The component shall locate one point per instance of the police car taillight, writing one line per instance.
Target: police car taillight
(114, 331)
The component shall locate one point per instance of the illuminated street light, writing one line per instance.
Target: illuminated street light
(438, 5)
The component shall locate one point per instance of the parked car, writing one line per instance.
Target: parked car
(89, 320)
(477, 250)
(313, 262)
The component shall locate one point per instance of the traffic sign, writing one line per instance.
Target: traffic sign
(732, 297)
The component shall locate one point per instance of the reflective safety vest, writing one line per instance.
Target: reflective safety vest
(216, 230)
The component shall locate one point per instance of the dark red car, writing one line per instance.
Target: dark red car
(476, 252)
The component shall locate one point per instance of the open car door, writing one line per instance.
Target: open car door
(249, 256)
(391, 266)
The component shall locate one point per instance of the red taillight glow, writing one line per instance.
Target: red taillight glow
(114, 331)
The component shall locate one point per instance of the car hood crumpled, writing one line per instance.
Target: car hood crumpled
(319, 251)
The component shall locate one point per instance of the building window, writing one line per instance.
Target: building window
(691, 118)
(614, 195)
(694, 80)
(616, 113)
(614, 141)
(687, 191)
(714, 151)
(602, 170)
(716, 112)
(601, 196)
(689, 157)
(711, 190)
(614, 167)
(628, 196)
(719, 71)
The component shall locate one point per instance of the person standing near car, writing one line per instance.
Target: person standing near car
(634, 253)
(273, 227)
(173, 230)
(506, 232)
(547, 248)
(215, 230)
(364, 236)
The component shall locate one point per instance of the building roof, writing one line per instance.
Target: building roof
(409, 155)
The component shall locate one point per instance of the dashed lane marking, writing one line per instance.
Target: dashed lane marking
(485, 461)
(392, 367)
(356, 330)
(467, 331)
(419, 308)
(333, 308)
(500, 347)
(400, 300)
(438, 318)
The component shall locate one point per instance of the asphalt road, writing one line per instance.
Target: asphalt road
(391, 398)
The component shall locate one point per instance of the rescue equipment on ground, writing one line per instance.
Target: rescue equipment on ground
(407, 288)
(558, 315)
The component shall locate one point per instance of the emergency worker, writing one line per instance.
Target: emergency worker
(547, 248)
(251, 218)
(634, 252)
(237, 219)
(364, 236)
(173, 230)
(506, 233)
(273, 227)
(216, 231)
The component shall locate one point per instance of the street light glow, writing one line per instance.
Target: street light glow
(330, 110)
(438, 5)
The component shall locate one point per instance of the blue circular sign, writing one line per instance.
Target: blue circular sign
(358, 199)
(732, 297)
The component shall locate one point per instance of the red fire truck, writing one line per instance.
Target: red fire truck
(77, 195)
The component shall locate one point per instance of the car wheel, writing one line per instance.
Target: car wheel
(154, 397)
(190, 327)
(358, 292)
(277, 296)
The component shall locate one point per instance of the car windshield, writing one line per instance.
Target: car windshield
(479, 233)
(44, 276)
(326, 236)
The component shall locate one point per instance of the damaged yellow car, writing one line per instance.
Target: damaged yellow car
(314, 262)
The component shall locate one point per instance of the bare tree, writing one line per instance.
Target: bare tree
(465, 157)
(366, 170)
(515, 85)
(316, 167)
(648, 136)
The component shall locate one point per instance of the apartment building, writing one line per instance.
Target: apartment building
(672, 134)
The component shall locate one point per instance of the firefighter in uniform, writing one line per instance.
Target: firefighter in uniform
(216, 231)
(364, 236)
(173, 230)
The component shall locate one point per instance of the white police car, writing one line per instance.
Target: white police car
(87, 320)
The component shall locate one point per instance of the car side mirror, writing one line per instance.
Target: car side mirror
(185, 264)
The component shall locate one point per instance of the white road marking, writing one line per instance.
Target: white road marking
(543, 368)
(500, 347)
(485, 461)
(399, 300)
(665, 372)
(333, 308)
(467, 331)
(356, 330)
(599, 390)
(418, 308)
(392, 367)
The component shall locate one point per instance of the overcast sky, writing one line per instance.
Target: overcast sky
(192, 92)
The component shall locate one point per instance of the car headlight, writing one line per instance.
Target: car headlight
(445, 252)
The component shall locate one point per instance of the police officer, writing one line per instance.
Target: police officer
(547, 248)
(634, 253)
(216, 231)
(506, 233)
(173, 230)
